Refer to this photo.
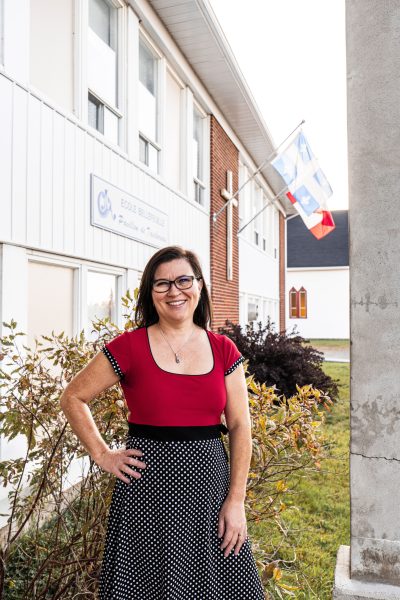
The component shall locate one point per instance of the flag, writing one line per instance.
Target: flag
(309, 189)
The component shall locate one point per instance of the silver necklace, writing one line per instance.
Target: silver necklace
(177, 359)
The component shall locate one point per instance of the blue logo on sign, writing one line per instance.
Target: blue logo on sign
(104, 204)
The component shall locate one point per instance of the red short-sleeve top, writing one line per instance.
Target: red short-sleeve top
(158, 397)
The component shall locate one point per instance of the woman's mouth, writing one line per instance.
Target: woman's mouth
(176, 303)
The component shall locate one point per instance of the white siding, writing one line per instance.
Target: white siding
(46, 158)
(51, 50)
(327, 302)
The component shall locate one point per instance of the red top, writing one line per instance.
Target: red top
(158, 397)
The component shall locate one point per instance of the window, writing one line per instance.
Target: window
(252, 311)
(298, 303)
(102, 20)
(267, 217)
(257, 223)
(50, 300)
(242, 195)
(101, 294)
(148, 108)
(95, 113)
(302, 303)
(103, 113)
(198, 157)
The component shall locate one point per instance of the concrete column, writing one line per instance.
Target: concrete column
(371, 569)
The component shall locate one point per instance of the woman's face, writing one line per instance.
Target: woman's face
(176, 305)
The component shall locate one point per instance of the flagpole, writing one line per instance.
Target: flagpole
(263, 208)
(267, 160)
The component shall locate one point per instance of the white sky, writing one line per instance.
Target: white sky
(292, 55)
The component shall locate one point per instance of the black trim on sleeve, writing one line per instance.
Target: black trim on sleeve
(113, 362)
(235, 364)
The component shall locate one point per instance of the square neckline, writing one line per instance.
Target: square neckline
(181, 374)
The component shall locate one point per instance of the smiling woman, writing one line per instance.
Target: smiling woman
(176, 525)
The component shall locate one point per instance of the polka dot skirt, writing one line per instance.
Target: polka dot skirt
(162, 529)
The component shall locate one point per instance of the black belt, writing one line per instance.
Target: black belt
(177, 432)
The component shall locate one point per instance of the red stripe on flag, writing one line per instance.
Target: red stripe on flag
(291, 197)
(324, 227)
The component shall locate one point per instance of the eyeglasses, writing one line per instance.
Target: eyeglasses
(184, 282)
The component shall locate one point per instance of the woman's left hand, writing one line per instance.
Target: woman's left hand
(232, 525)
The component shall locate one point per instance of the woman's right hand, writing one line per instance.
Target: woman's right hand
(117, 462)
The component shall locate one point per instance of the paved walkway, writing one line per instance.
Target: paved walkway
(338, 354)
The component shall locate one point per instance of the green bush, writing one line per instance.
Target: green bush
(280, 359)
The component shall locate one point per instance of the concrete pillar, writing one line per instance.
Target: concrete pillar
(371, 569)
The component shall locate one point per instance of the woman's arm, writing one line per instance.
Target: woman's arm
(97, 376)
(232, 519)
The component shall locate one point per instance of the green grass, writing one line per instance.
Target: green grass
(321, 522)
(332, 343)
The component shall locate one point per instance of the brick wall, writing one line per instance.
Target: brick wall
(224, 294)
(282, 284)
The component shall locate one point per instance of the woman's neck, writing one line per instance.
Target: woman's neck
(176, 329)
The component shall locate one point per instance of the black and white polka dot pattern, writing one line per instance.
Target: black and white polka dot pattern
(235, 364)
(162, 529)
(113, 362)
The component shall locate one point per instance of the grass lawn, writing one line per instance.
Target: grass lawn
(329, 343)
(321, 522)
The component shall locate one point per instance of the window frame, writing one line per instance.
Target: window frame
(81, 267)
(293, 306)
(157, 144)
(82, 89)
(199, 184)
(302, 293)
(256, 301)
(297, 307)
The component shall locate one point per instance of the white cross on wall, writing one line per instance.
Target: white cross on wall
(227, 195)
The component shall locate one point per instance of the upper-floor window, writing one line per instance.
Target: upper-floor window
(103, 21)
(298, 303)
(257, 222)
(198, 149)
(149, 147)
(103, 112)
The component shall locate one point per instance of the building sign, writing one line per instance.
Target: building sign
(124, 214)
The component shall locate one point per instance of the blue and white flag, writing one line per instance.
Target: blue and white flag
(309, 189)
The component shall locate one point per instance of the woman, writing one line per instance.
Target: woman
(176, 526)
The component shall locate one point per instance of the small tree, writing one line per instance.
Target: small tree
(280, 359)
(54, 538)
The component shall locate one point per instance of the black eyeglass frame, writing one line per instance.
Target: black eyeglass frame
(170, 282)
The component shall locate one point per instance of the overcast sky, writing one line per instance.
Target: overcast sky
(293, 57)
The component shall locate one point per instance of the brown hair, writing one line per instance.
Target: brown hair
(145, 312)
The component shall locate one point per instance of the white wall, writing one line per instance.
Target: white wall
(327, 302)
(16, 39)
(46, 186)
(51, 50)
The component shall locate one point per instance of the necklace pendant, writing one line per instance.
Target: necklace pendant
(177, 359)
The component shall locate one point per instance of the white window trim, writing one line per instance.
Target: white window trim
(167, 69)
(205, 155)
(248, 233)
(160, 97)
(81, 268)
(81, 89)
